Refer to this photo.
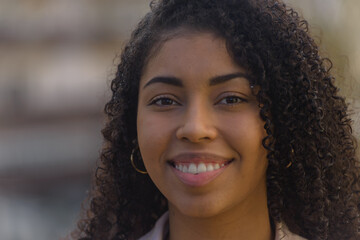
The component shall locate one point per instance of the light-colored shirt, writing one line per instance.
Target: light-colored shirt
(161, 229)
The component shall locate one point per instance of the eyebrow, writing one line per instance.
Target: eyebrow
(213, 81)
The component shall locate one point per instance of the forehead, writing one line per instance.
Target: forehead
(190, 55)
(182, 32)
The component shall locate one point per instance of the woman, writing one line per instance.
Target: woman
(224, 123)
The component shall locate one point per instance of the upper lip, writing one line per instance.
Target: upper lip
(196, 157)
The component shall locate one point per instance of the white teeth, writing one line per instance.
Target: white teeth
(209, 168)
(192, 168)
(200, 168)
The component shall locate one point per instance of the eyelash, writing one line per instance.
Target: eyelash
(162, 98)
(240, 100)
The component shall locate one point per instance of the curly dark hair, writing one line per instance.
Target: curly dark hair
(307, 123)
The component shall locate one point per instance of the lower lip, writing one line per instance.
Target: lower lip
(200, 179)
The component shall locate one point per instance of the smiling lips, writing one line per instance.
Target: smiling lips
(198, 169)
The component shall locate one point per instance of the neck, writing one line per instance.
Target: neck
(245, 222)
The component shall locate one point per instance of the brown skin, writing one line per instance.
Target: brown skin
(221, 119)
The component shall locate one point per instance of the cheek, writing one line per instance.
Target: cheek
(151, 127)
(153, 137)
(245, 133)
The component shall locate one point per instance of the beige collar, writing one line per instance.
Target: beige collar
(161, 229)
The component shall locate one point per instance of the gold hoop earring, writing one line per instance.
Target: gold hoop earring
(133, 164)
(290, 163)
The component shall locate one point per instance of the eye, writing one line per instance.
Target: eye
(163, 101)
(232, 100)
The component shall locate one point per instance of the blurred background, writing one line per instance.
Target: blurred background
(57, 58)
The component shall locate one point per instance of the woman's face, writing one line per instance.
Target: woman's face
(199, 128)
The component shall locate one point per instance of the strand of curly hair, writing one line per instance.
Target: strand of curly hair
(317, 197)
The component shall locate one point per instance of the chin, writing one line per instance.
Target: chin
(198, 208)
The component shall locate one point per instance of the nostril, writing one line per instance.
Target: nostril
(196, 133)
(196, 124)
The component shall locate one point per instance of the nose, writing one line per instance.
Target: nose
(197, 125)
